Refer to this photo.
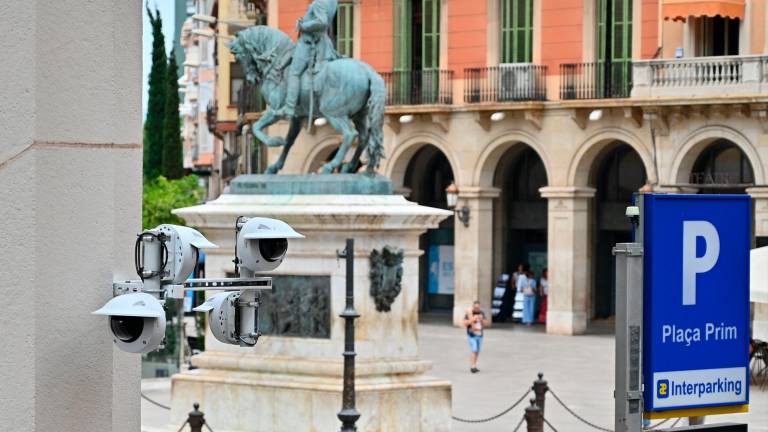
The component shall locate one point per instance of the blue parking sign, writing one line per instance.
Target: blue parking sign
(696, 301)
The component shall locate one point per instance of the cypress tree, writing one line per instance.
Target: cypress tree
(172, 164)
(153, 126)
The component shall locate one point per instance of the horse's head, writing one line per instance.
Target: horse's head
(256, 48)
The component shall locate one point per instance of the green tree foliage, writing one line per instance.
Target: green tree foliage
(162, 195)
(172, 163)
(153, 126)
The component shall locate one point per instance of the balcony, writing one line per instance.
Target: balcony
(505, 83)
(245, 13)
(419, 87)
(249, 100)
(596, 80)
(701, 77)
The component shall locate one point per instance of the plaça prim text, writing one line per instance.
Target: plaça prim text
(689, 335)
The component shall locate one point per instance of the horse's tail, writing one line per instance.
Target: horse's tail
(374, 120)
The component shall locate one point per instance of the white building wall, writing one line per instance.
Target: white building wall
(70, 197)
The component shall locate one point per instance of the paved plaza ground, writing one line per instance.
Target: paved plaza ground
(579, 370)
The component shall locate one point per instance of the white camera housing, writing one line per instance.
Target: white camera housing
(262, 243)
(136, 322)
(183, 246)
(221, 317)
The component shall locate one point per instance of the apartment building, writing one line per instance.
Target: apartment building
(547, 115)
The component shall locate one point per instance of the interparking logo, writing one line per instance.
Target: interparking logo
(662, 389)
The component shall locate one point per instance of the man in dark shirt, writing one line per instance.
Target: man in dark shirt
(475, 321)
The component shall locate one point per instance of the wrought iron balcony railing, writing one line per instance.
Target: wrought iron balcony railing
(596, 80)
(419, 87)
(505, 83)
(249, 99)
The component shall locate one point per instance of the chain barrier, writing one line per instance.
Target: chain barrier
(145, 397)
(549, 424)
(578, 417)
(485, 420)
(520, 423)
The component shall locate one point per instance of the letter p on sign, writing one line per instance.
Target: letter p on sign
(692, 264)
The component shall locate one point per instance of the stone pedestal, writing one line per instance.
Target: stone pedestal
(289, 383)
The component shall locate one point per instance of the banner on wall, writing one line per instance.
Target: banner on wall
(440, 280)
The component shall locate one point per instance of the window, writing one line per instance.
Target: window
(430, 24)
(343, 29)
(516, 31)
(236, 82)
(403, 10)
(614, 47)
(715, 36)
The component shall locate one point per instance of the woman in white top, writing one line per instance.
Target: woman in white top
(529, 299)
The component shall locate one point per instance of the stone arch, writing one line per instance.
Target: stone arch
(488, 162)
(582, 163)
(697, 141)
(320, 152)
(397, 164)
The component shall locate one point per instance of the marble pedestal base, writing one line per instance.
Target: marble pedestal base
(290, 394)
(294, 384)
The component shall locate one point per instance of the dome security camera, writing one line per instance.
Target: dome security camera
(262, 243)
(233, 317)
(136, 322)
(183, 245)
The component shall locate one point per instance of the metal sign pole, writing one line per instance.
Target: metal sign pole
(629, 330)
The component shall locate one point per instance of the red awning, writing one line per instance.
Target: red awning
(682, 9)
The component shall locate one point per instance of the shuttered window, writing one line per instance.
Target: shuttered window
(345, 30)
(516, 31)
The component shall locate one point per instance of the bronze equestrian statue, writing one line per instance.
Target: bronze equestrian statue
(310, 79)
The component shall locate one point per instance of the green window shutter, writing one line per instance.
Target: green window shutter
(430, 34)
(402, 35)
(614, 46)
(345, 29)
(516, 31)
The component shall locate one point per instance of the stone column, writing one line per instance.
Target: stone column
(70, 206)
(568, 258)
(473, 250)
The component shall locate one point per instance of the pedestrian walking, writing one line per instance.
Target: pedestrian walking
(528, 285)
(475, 322)
(544, 292)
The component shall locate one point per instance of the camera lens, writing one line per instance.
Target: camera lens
(127, 328)
(273, 249)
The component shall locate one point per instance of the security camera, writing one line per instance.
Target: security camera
(136, 322)
(233, 317)
(184, 246)
(262, 243)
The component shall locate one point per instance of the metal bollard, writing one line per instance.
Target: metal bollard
(196, 419)
(540, 389)
(533, 418)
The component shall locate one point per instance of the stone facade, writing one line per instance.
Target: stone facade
(570, 147)
(70, 205)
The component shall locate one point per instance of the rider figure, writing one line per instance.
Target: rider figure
(313, 44)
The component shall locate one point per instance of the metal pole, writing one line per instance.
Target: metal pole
(533, 418)
(348, 414)
(629, 332)
(540, 389)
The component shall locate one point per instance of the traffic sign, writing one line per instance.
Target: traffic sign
(696, 303)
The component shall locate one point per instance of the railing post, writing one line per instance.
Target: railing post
(752, 72)
(540, 389)
(533, 418)
(196, 420)
(641, 79)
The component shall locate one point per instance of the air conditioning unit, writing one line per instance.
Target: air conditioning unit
(517, 82)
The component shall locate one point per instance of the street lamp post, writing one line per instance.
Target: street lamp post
(349, 414)
(452, 198)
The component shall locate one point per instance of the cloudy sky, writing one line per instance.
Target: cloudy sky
(166, 12)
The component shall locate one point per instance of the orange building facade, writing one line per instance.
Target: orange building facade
(547, 115)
